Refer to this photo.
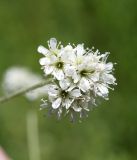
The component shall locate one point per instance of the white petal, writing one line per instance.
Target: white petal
(59, 74)
(64, 56)
(75, 93)
(94, 77)
(53, 90)
(53, 95)
(77, 109)
(44, 61)
(64, 84)
(76, 77)
(72, 57)
(109, 78)
(56, 103)
(53, 43)
(103, 89)
(84, 85)
(68, 103)
(80, 49)
(66, 51)
(48, 69)
(68, 48)
(70, 71)
(53, 59)
(72, 86)
(101, 66)
(68, 54)
(109, 66)
(42, 50)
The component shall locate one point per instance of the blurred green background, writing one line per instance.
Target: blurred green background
(110, 132)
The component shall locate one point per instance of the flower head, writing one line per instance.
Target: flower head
(80, 76)
(18, 78)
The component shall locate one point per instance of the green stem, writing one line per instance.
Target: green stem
(23, 91)
(33, 136)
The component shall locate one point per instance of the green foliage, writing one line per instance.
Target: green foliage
(110, 131)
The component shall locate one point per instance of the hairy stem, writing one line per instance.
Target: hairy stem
(23, 91)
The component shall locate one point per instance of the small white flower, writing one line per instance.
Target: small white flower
(61, 97)
(18, 78)
(55, 67)
(76, 57)
(54, 62)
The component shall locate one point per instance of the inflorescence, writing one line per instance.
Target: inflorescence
(79, 77)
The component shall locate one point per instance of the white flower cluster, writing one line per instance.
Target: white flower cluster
(18, 78)
(80, 76)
